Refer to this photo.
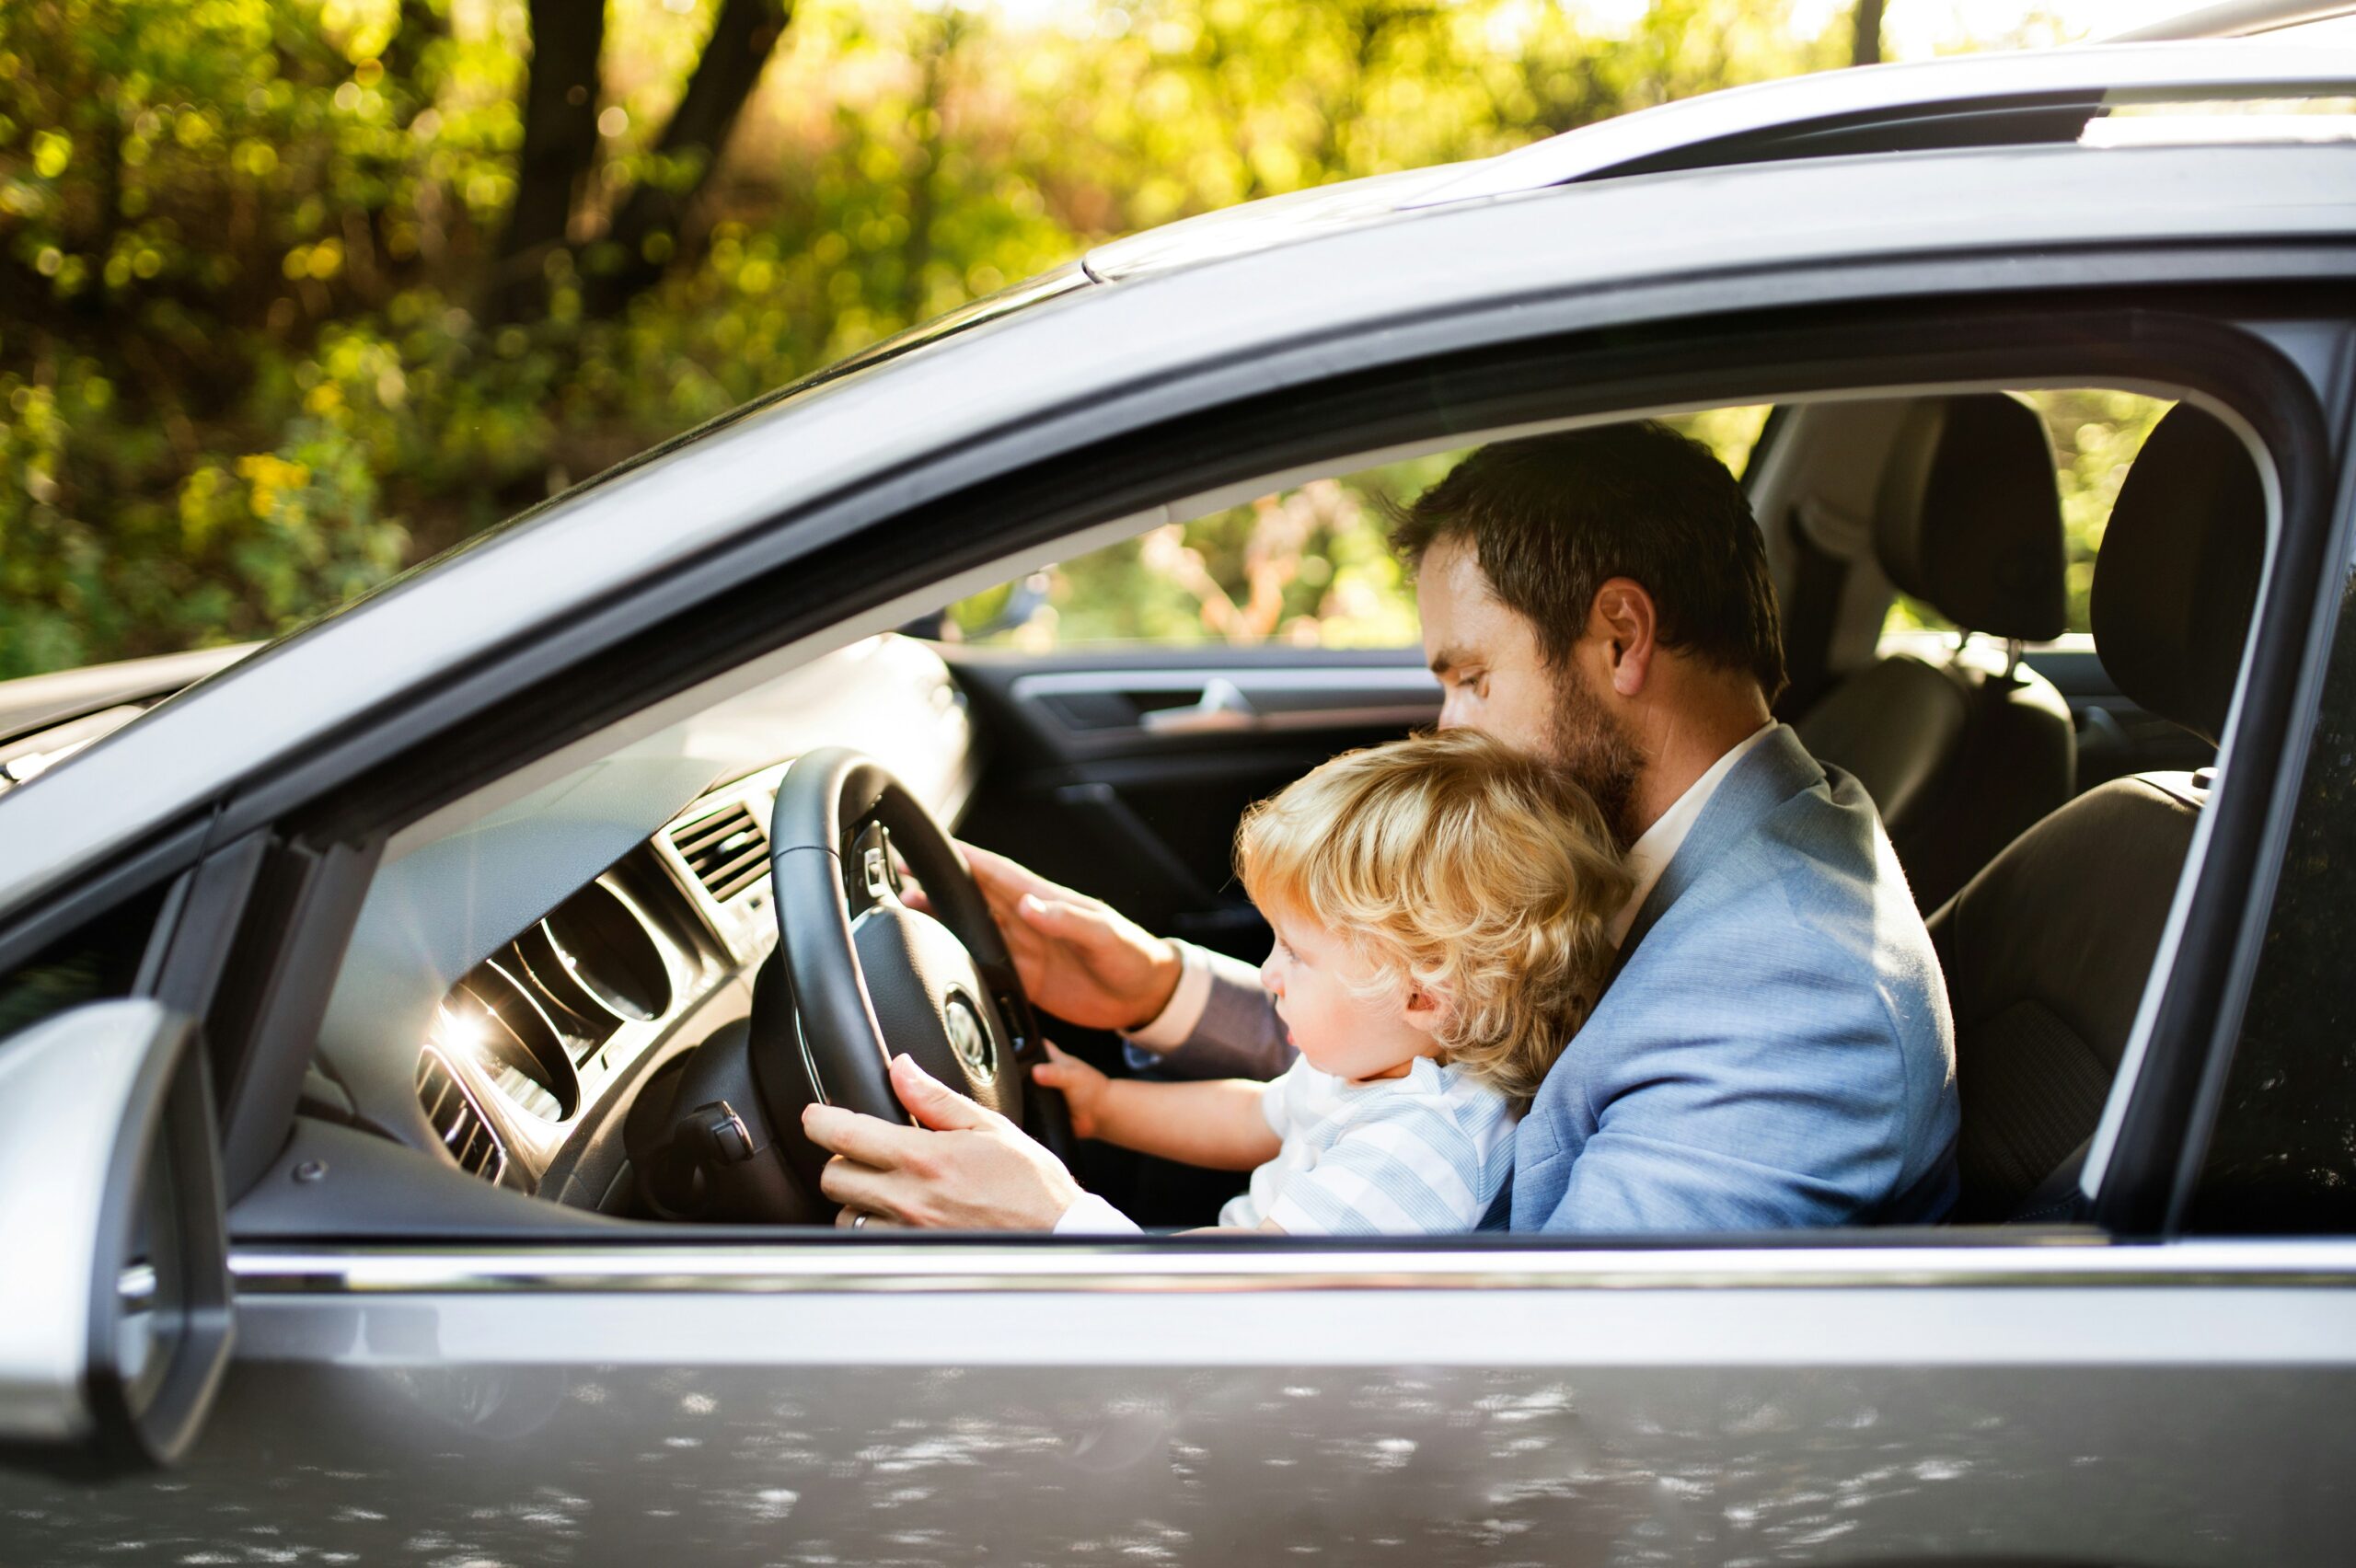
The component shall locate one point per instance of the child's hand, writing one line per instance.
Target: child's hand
(1083, 1087)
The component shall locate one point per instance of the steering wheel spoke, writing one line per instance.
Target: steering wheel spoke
(871, 869)
(859, 977)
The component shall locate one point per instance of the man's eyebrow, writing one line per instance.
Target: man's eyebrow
(1444, 661)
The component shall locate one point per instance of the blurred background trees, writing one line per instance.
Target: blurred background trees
(295, 293)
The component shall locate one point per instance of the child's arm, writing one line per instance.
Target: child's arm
(1215, 1123)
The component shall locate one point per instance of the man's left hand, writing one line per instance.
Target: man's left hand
(962, 1166)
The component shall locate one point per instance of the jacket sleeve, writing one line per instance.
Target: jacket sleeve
(1752, 1088)
(1239, 1035)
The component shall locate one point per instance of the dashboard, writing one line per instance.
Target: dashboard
(534, 1040)
(526, 975)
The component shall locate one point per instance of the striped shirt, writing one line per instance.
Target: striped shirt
(1426, 1152)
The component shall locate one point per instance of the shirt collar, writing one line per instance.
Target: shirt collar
(1657, 844)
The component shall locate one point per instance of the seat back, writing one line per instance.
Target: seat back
(2047, 952)
(1960, 754)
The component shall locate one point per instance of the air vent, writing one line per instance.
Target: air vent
(458, 1123)
(727, 850)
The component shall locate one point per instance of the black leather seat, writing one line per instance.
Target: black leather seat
(2047, 950)
(1961, 754)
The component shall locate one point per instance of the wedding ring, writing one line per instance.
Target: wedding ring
(859, 1222)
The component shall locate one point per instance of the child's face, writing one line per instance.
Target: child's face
(1310, 973)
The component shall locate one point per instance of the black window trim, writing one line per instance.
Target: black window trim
(2328, 589)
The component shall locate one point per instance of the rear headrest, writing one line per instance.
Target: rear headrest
(2176, 577)
(1969, 519)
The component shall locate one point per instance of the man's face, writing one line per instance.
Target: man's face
(1493, 675)
(1494, 678)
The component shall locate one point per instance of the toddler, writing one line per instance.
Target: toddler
(1441, 906)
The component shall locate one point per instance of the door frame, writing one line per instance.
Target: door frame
(866, 551)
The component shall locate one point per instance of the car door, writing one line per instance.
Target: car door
(603, 1394)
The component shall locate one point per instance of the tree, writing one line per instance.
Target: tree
(646, 233)
(561, 111)
(1864, 47)
(295, 293)
(559, 147)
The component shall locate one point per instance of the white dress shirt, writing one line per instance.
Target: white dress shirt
(1649, 856)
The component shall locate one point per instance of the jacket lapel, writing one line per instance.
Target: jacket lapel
(1776, 769)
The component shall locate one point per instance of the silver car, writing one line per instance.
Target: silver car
(405, 1021)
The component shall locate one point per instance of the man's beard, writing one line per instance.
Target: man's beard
(1599, 754)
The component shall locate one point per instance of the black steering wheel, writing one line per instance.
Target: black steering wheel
(859, 977)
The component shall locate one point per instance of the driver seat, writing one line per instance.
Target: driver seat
(2047, 950)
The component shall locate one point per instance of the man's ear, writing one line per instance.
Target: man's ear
(1623, 619)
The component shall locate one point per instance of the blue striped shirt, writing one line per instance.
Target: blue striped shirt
(1426, 1152)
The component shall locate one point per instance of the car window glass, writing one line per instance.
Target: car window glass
(96, 961)
(2282, 1155)
(2096, 432)
(1306, 566)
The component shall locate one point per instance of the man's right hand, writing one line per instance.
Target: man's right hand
(1079, 957)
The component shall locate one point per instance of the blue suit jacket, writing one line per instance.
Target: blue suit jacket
(1774, 1051)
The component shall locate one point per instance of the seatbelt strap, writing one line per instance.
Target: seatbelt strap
(1818, 579)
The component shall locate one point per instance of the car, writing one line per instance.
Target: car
(405, 1020)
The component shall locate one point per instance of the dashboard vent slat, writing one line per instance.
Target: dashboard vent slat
(727, 852)
(456, 1122)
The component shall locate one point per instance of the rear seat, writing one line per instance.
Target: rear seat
(1961, 754)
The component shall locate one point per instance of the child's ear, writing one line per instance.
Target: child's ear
(1427, 1011)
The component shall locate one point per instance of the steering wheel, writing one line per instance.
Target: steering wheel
(859, 977)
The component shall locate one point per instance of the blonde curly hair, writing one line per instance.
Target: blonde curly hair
(1452, 865)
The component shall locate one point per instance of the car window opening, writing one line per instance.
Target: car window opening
(1104, 719)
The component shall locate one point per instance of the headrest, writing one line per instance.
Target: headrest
(1969, 519)
(2176, 577)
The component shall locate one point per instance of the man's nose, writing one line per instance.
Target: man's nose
(1451, 714)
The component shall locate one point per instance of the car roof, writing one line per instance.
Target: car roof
(2010, 98)
(1152, 338)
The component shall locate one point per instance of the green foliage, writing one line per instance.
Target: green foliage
(2096, 433)
(243, 243)
(1308, 567)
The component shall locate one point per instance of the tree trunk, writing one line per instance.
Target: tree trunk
(916, 250)
(1865, 48)
(417, 26)
(645, 232)
(559, 146)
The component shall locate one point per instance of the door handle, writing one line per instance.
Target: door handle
(1221, 709)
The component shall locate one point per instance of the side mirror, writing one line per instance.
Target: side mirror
(115, 1297)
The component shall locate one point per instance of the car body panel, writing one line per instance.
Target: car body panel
(881, 1404)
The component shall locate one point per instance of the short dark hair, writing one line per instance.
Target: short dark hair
(1550, 518)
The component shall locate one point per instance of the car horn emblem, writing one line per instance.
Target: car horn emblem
(966, 1035)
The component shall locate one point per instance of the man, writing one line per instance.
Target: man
(1774, 1049)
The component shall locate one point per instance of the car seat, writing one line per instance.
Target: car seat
(2047, 950)
(1960, 754)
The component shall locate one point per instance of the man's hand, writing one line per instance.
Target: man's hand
(1079, 957)
(962, 1167)
(1083, 1087)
